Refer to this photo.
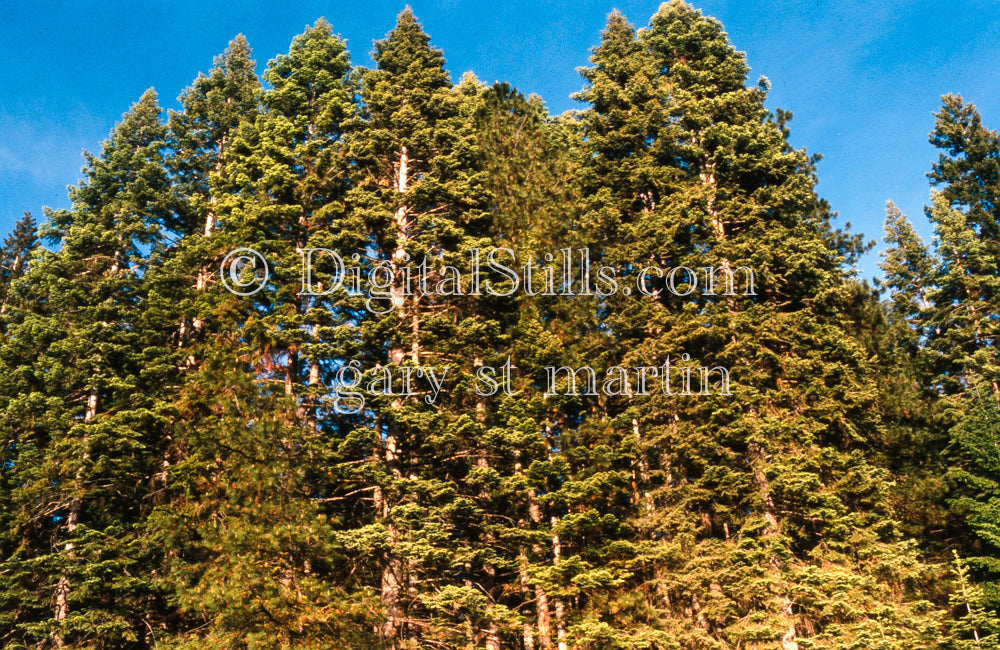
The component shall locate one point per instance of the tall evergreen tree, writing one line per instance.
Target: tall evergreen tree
(962, 328)
(911, 410)
(908, 267)
(945, 310)
(77, 405)
(964, 321)
(555, 488)
(424, 198)
(201, 134)
(201, 138)
(741, 500)
(258, 443)
(300, 160)
(15, 254)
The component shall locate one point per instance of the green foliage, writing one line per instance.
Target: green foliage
(176, 471)
(978, 625)
(949, 304)
(81, 378)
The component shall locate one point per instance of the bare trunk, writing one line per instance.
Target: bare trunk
(212, 199)
(527, 631)
(541, 598)
(477, 363)
(314, 373)
(788, 639)
(400, 217)
(201, 279)
(968, 607)
(62, 607)
(312, 406)
(492, 637)
(13, 268)
(291, 371)
(63, 587)
(210, 221)
(544, 629)
(757, 462)
(640, 474)
(393, 568)
(91, 411)
(204, 273)
(708, 178)
(392, 578)
(559, 607)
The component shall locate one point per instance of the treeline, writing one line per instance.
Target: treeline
(175, 474)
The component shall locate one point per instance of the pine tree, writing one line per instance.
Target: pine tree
(201, 140)
(253, 436)
(976, 625)
(201, 134)
(961, 325)
(908, 268)
(739, 501)
(557, 488)
(967, 223)
(300, 158)
(425, 200)
(967, 165)
(15, 255)
(916, 440)
(77, 405)
(254, 554)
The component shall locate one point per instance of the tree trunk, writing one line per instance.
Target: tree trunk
(61, 610)
(492, 637)
(541, 598)
(6, 298)
(640, 474)
(527, 631)
(393, 569)
(757, 461)
(559, 607)
(392, 580)
(544, 629)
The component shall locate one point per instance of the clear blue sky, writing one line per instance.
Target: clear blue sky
(861, 77)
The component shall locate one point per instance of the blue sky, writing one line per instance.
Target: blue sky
(862, 78)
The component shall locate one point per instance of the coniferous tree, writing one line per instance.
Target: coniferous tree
(944, 308)
(201, 138)
(424, 199)
(754, 484)
(77, 407)
(201, 134)
(182, 466)
(908, 267)
(557, 487)
(15, 254)
(961, 326)
(911, 411)
(258, 442)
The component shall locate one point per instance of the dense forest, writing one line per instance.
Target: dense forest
(407, 462)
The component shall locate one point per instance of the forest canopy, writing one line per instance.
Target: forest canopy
(758, 451)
